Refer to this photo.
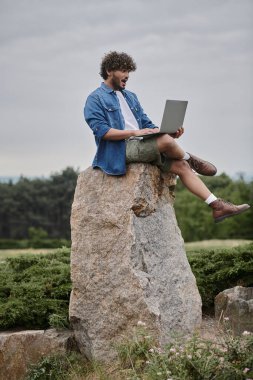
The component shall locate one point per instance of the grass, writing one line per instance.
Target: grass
(142, 358)
(205, 244)
(215, 244)
(5, 253)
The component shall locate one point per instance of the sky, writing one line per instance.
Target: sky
(195, 50)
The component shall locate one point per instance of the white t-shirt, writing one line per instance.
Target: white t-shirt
(130, 121)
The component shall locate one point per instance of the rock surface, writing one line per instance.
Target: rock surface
(18, 350)
(128, 261)
(237, 305)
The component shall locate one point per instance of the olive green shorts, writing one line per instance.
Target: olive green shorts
(146, 150)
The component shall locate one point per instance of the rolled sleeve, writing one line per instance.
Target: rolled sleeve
(95, 117)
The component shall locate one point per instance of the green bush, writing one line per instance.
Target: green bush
(220, 269)
(49, 243)
(33, 243)
(35, 290)
(13, 244)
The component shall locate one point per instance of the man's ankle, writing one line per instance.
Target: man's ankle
(186, 156)
(211, 199)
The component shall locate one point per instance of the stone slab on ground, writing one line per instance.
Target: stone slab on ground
(20, 349)
(128, 260)
(237, 305)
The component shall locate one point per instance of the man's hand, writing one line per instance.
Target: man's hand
(117, 134)
(146, 131)
(178, 133)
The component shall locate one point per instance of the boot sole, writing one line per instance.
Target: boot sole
(209, 174)
(221, 218)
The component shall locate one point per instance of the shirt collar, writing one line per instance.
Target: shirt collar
(106, 88)
(109, 89)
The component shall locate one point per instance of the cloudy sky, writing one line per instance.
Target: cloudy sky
(196, 50)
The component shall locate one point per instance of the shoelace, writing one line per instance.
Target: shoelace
(224, 201)
(194, 164)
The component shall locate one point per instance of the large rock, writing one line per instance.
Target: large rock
(236, 304)
(18, 350)
(128, 261)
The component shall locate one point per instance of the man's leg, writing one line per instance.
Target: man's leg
(168, 146)
(221, 208)
(191, 181)
(146, 151)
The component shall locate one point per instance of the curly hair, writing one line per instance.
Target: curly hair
(116, 61)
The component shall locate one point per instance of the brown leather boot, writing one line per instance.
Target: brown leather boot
(200, 166)
(223, 209)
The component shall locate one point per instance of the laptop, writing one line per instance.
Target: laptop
(173, 117)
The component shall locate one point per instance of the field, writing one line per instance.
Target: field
(35, 294)
(205, 244)
(214, 244)
(4, 253)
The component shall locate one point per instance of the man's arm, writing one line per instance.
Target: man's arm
(95, 118)
(116, 134)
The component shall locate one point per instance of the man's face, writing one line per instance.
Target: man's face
(118, 79)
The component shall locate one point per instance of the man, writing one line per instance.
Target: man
(117, 119)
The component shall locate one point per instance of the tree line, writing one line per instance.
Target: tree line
(45, 204)
(42, 203)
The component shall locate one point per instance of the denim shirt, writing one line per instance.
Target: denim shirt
(102, 112)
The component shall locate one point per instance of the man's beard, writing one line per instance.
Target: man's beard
(116, 84)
